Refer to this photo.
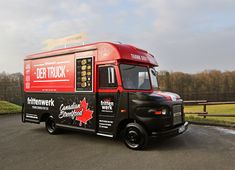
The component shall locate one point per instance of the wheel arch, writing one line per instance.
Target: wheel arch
(122, 124)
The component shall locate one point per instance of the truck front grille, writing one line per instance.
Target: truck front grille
(177, 114)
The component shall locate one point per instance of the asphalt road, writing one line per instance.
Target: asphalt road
(28, 146)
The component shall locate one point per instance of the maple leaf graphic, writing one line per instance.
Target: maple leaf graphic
(86, 114)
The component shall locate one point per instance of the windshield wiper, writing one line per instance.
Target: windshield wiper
(130, 68)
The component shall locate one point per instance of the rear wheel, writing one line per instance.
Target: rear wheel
(135, 136)
(51, 125)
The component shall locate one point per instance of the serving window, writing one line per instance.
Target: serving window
(84, 74)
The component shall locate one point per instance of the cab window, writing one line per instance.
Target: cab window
(107, 77)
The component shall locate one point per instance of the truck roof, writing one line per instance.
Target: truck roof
(106, 51)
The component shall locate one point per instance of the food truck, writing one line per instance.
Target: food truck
(104, 88)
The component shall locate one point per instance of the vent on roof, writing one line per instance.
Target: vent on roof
(139, 49)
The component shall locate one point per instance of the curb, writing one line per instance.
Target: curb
(212, 124)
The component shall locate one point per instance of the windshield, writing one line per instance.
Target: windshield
(136, 77)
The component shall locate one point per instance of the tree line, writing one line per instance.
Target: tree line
(210, 85)
(11, 87)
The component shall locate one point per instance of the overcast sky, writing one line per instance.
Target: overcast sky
(184, 35)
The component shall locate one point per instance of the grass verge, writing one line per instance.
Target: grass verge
(7, 107)
(212, 109)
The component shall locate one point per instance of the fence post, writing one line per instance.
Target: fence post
(204, 109)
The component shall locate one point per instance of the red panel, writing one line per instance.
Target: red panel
(54, 74)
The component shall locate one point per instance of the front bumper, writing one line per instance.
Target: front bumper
(172, 132)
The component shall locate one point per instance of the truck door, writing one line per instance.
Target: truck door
(108, 99)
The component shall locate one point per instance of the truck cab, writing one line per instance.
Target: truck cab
(103, 88)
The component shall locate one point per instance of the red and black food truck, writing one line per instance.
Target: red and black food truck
(102, 88)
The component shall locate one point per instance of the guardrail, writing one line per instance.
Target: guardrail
(204, 103)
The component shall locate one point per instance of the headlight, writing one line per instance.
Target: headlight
(158, 111)
(164, 111)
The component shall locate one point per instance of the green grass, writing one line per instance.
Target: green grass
(7, 107)
(212, 109)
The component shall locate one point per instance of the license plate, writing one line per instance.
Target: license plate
(181, 129)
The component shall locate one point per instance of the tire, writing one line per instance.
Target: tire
(135, 136)
(51, 126)
(22, 114)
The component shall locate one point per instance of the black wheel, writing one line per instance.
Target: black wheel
(51, 125)
(135, 136)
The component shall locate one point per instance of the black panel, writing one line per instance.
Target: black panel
(141, 104)
(107, 108)
(77, 109)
